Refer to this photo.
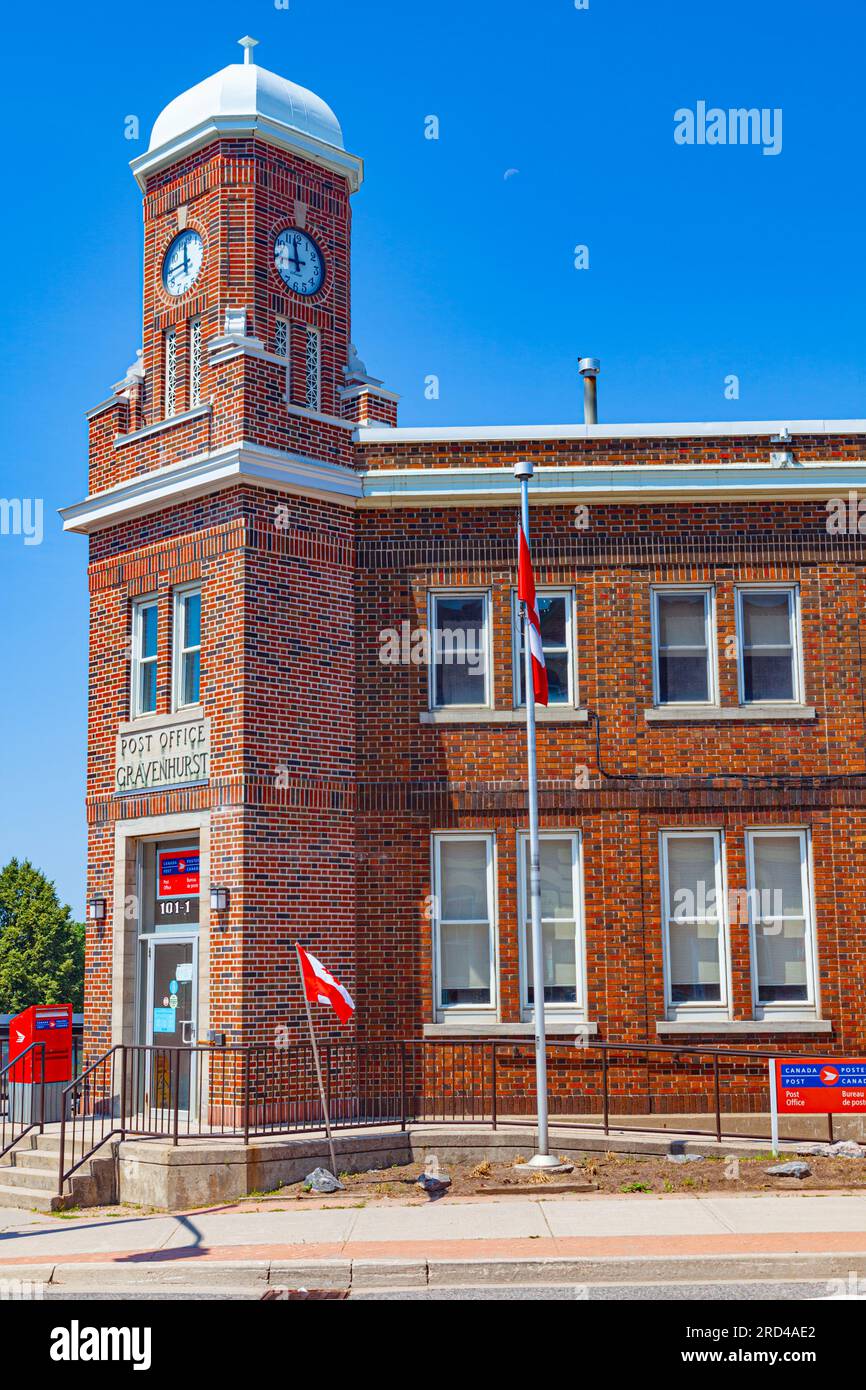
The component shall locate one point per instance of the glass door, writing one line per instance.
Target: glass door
(170, 1022)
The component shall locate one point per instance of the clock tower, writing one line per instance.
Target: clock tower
(247, 260)
(221, 517)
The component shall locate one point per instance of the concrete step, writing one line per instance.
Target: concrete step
(16, 1175)
(31, 1198)
(36, 1158)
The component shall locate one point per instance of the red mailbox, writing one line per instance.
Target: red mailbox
(50, 1024)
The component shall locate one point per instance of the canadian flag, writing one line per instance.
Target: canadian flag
(526, 592)
(320, 986)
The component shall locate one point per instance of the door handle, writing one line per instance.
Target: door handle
(187, 1037)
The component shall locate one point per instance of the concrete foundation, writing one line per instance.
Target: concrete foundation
(200, 1172)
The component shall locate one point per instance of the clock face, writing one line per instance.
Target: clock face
(182, 262)
(299, 261)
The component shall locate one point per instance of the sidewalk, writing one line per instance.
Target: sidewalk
(502, 1240)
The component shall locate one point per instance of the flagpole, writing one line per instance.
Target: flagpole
(318, 1065)
(543, 1158)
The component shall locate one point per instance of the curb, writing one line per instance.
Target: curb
(256, 1276)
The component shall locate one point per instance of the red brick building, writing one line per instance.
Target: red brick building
(305, 702)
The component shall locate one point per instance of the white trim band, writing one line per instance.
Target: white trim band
(681, 429)
(438, 487)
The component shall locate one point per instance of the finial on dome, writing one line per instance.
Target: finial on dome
(248, 44)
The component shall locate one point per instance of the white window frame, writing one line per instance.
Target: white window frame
(794, 1009)
(468, 1013)
(793, 592)
(195, 361)
(517, 660)
(170, 352)
(697, 1009)
(283, 328)
(139, 606)
(433, 595)
(312, 400)
(178, 647)
(666, 591)
(561, 1013)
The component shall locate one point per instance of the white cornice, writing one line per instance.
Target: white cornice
(467, 487)
(350, 166)
(688, 429)
(442, 487)
(205, 473)
(364, 388)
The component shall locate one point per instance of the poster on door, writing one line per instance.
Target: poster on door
(178, 873)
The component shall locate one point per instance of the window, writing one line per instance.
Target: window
(170, 879)
(195, 362)
(683, 657)
(694, 929)
(463, 893)
(459, 650)
(170, 373)
(555, 611)
(781, 918)
(561, 928)
(144, 638)
(312, 363)
(282, 346)
(767, 628)
(187, 647)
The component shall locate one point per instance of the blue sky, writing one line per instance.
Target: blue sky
(703, 261)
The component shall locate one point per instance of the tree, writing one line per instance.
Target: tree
(41, 947)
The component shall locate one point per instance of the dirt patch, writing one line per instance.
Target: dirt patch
(611, 1174)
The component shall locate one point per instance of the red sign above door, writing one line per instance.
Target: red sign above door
(178, 873)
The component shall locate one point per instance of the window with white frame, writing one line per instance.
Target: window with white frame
(282, 348)
(683, 641)
(144, 653)
(459, 625)
(555, 612)
(187, 647)
(170, 372)
(694, 922)
(769, 647)
(313, 368)
(463, 870)
(780, 914)
(195, 362)
(561, 926)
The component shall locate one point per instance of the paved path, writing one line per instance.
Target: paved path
(508, 1227)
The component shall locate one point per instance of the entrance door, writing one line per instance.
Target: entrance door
(172, 975)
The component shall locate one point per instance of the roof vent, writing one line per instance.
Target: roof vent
(589, 368)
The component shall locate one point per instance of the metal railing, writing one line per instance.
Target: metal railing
(178, 1093)
(24, 1108)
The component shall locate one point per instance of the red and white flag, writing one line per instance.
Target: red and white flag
(320, 987)
(526, 593)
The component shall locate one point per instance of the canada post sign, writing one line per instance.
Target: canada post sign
(173, 755)
(822, 1087)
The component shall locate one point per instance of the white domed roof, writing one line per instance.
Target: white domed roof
(245, 89)
(245, 98)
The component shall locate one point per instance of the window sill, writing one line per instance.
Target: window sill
(551, 714)
(142, 722)
(710, 713)
(553, 1027)
(732, 1027)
